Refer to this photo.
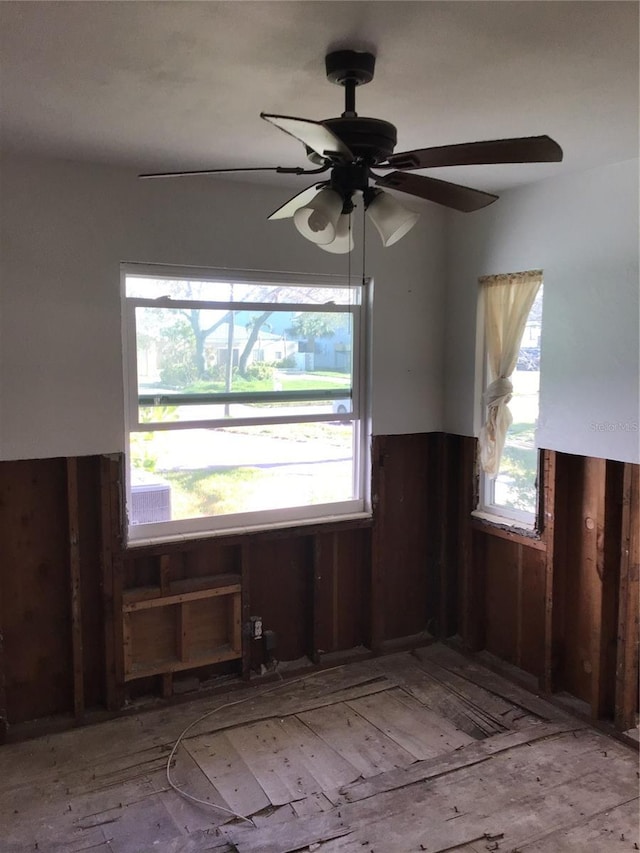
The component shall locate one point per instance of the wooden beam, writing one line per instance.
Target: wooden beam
(127, 642)
(166, 679)
(520, 603)
(378, 456)
(335, 599)
(235, 622)
(182, 632)
(441, 501)
(179, 598)
(471, 552)
(111, 569)
(76, 594)
(106, 561)
(626, 693)
(593, 567)
(162, 667)
(4, 723)
(325, 595)
(165, 576)
(491, 528)
(548, 522)
(318, 572)
(614, 487)
(245, 550)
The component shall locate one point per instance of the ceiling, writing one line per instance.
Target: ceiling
(177, 85)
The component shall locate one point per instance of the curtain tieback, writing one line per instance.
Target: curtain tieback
(498, 392)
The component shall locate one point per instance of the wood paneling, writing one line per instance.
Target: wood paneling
(90, 581)
(514, 596)
(341, 591)
(36, 599)
(503, 570)
(401, 539)
(561, 607)
(626, 687)
(564, 607)
(281, 581)
(531, 656)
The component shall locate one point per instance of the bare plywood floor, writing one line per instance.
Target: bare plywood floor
(411, 752)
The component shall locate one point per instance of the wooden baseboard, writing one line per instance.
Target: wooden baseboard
(405, 644)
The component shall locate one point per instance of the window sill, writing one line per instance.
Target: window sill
(513, 531)
(164, 545)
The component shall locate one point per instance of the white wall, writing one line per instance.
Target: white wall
(582, 230)
(67, 226)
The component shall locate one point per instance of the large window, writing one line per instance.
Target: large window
(509, 474)
(246, 400)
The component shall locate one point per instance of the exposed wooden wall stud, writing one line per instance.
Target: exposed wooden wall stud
(548, 523)
(626, 693)
(76, 594)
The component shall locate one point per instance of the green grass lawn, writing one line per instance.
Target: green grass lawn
(209, 491)
(286, 382)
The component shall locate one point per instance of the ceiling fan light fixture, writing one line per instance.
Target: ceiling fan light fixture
(343, 242)
(318, 219)
(392, 220)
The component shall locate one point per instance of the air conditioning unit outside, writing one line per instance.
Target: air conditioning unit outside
(150, 502)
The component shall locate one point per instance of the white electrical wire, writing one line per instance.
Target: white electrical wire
(185, 731)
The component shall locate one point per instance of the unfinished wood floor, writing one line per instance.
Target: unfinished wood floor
(411, 752)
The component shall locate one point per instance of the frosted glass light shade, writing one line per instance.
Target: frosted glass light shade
(317, 220)
(391, 219)
(343, 243)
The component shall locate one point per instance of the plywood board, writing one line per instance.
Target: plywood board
(289, 698)
(437, 697)
(190, 816)
(228, 773)
(611, 830)
(409, 724)
(328, 767)
(363, 745)
(476, 752)
(297, 835)
(277, 768)
(551, 785)
(491, 682)
(513, 798)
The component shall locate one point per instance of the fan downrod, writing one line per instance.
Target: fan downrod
(350, 68)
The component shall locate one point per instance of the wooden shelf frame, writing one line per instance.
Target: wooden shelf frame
(165, 620)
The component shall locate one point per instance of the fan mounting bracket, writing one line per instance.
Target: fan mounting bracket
(350, 66)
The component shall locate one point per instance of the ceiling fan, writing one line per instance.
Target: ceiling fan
(354, 150)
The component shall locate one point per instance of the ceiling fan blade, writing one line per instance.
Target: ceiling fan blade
(526, 149)
(313, 134)
(442, 192)
(295, 170)
(299, 200)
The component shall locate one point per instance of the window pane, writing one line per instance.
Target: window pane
(205, 353)
(192, 473)
(142, 287)
(516, 487)
(244, 402)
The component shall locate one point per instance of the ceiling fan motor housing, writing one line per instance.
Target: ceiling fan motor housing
(372, 140)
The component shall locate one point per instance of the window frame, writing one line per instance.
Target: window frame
(359, 507)
(487, 510)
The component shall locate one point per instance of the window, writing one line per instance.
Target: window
(509, 474)
(246, 400)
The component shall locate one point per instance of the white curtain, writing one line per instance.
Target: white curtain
(507, 303)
